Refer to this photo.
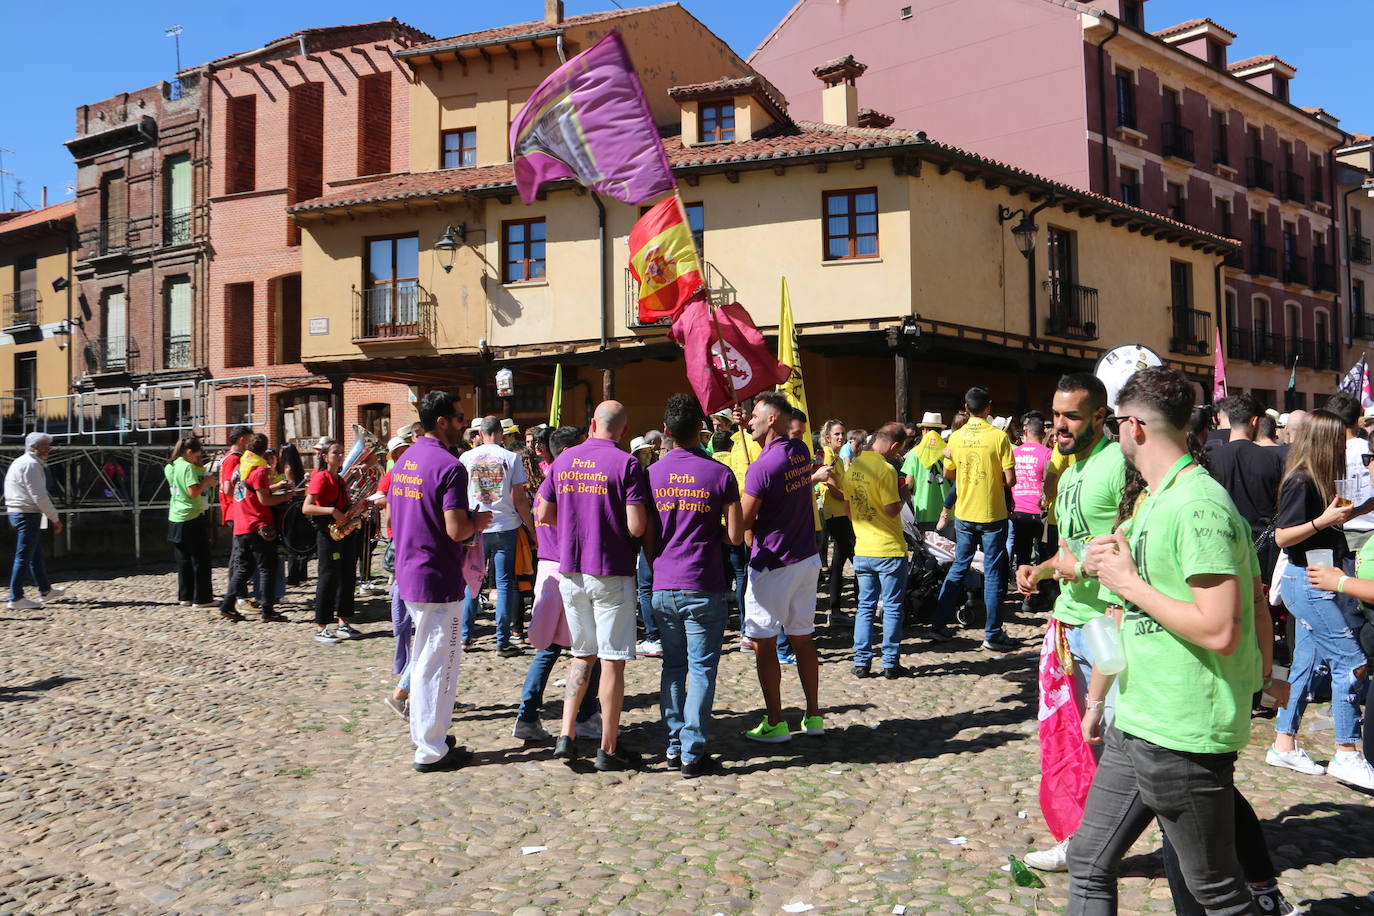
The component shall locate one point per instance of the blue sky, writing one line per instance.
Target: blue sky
(97, 50)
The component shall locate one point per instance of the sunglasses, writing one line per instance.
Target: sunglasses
(1367, 458)
(1113, 422)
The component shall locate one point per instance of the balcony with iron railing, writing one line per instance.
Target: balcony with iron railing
(1072, 310)
(114, 236)
(1191, 330)
(1362, 325)
(1235, 259)
(1239, 344)
(1269, 347)
(1328, 356)
(1178, 141)
(1293, 187)
(392, 313)
(719, 291)
(111, 356)
(1259, 174)
(1302, 351)
(1295, 270)
(21, 308)
(176, 227)
(1361, 251)
(177, 352)
(1264, 261)
(1324, 276)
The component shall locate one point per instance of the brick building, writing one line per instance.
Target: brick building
(288, 121)
(1088, 95)
(142, 261)
(1355, 187)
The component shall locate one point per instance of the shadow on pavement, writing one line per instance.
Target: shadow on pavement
(18, 694)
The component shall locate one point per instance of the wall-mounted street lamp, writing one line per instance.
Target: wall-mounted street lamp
(1024, 233)
(447, 245)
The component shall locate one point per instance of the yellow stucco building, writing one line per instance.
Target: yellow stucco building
(36, 250)
(906, 278)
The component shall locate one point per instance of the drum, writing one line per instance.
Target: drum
(297, 530)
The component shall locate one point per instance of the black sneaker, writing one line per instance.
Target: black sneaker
(622, 759)
(1270, 900)
(1000, 644)
(896, 671)
(862, 673)
(673, 761)
(274, 617)
(939, 633)
(700, 767)
(456, 758)
(565, 748)
(509, 651)
(231, 614)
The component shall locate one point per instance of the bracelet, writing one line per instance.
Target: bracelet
(1078, 570)
(1340, 584)
(1095, 704)
(1268, 682)
(1313, 523)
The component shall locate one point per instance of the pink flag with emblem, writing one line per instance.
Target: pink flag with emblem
(721, 344)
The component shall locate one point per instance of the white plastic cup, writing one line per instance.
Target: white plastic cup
(1104, 645)
(1320, 558)
(1278, 673)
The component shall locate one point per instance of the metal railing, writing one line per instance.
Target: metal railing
(1362, 325)
(1301, 350)
(401, 311)
(1295, 270)
(1259, 173)
(1191, 330)
(1264, 260)
(21, 308)
(1239, 344)
(114, 236)
(1328, 356)
(111, 354)
(1293, 187)
(1269, 348)
(719, 291)
(176, 352)
(176, 227)
(1178, 141)
(1361, 251)
(1324, 276)
(1235, 259)
(1073, 310)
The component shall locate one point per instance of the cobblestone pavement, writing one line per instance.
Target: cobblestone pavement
(156, 760)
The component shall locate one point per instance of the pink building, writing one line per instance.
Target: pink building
(1163, 120)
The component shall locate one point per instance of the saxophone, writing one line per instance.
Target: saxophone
(361, 472)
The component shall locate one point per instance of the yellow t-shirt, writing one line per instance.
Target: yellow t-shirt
(869, 485)
(981, 453)
(1055, 468)
(832, 505)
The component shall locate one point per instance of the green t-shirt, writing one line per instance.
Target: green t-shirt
(1085, 504)
(929, 486)
(182, 506)
(1174, 693)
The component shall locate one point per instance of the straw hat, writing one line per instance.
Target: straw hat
(931, 418)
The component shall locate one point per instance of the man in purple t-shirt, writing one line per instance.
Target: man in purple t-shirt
(597, 497)
(430, 522)
(691, 492)
(784, 565)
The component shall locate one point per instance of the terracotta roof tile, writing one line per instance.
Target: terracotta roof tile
(321, 30)
(779, 142)
(527, 29)
(1257, 60)
(1191, 24)
(754, 84)
(31, 218)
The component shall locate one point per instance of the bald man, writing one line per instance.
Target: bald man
(1295, 421)
(596, 496)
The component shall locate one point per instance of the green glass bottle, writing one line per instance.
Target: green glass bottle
(1023, 876)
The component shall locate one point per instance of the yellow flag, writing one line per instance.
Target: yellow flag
(556, 408)
(789, 354)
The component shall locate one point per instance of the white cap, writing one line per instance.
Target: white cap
(508, 426)
(637, 443)
(1283, 419)
(476, 423)
(946, 434)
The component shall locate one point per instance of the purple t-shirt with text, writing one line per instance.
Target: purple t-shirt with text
(691, 490)
(545, 537)
(590, 485)
(785, 528)
(426, 482)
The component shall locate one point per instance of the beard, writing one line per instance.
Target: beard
(1081, 443)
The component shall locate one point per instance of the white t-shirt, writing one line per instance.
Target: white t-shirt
(492, 471)
(1363, 492)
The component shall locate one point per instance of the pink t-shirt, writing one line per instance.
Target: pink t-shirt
(1030, 477)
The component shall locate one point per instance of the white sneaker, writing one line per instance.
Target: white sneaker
(1296, 759)
(651, 649)
(1056, 858)
(1350, 767)
(24, 604)
(591, 729)
(54, 593)
(530, 731)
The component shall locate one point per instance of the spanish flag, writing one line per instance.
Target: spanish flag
(663, 260)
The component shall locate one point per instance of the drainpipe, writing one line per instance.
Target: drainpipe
(1102, 104)
(604, 279)
(1217, 269)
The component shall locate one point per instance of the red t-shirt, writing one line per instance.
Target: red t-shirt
(250, 513)
(228, 471)
(328, 490)
(384, 487)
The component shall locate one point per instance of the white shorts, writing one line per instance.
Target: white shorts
(601, 615)
(782, 599)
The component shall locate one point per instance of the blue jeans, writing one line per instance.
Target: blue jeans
(737, 558)
(691, 626)
(1325, 633)
(644, 588)
(537, 678)
(885, 576)
(967, 537)
(28, 554)
(501, 546)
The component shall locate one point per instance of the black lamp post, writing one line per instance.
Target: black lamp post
(1024, 233)
(447, 246)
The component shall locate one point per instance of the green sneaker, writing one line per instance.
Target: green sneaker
(769, 734)
(813, 725)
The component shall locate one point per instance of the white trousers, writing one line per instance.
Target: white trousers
(434, 660)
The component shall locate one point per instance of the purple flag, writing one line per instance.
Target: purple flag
(589, 121)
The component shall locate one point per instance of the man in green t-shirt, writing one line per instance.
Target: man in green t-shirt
(1187, 574)
(1086, 498)
(923, 472)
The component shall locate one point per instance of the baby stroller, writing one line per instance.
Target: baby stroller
(931, 556)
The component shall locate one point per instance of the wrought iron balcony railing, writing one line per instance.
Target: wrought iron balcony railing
(1264, 260)
(1293, 188)
(1269, 348)
(1302, 350)
(1295, 270)
(1178, 141)
(1239, 344)
(1191, 330)
(1361, 250)
(719, 291)
(111, 355)
(21, 308)
(1073, 311)
(1362, 325)
(176, 227)
(1328, 356)
(393, 311)
(176, 352)
(114, 236)
(1324, 276)
(1259, 174)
